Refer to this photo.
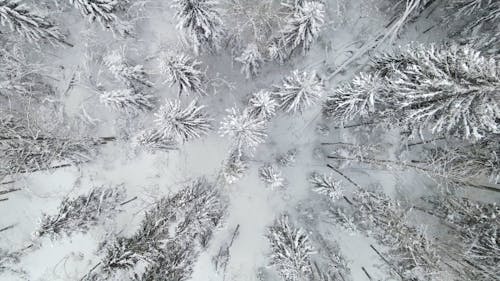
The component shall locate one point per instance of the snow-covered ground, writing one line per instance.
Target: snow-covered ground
(149, 175)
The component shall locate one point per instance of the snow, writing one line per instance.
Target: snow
(149, 173)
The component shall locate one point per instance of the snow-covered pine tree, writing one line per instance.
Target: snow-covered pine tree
(293, 4)
(474, 16)
(184, 71)
(291, 250)
(358, 98)
(410, 254)
(128, 100)
(326, 185)
(328, 264)
(478, 21)
(28, 24)
(467, 164)
(80, 213)
(448, 89)
(303, 26)
(445, 89)
(486, 43)
(180, 123)
(176, 265)
(201, 24)
(251, 60)
(132, 76)
(272, 176)
(246, 130)
(472, 165)
(170, 236)
(21, 78)
(154, 139)
(101, 10)
(27, 149)
(288, 158)
(299, 91)
(276, 51)
(476, 232)
(262, 105)
(234, 167)
(343, 153)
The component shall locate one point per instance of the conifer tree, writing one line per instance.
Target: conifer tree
(447, 89)
(326, 185)
(28, 24)
(170, 236)
(411, 255)
(287, 159)
(291, 250)
(133, 76)
(79, 214)
(475, 234)
(234, 167)
(154, 139)
(246, 130)
(100, 10)
(262, 105)
(180, 123)
(475, 15)
(27, 150)
(303, 26)
(103, 11)
(251, 61)
(201, 24)
(468, 164)
(276, 50)
(127, 100)
(299, 91)
(475, 22)
(357, 98)
(271, 176)
(184, 71)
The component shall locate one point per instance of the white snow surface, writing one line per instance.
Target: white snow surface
(151, 175)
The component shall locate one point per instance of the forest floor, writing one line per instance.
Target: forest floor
(148, 176)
